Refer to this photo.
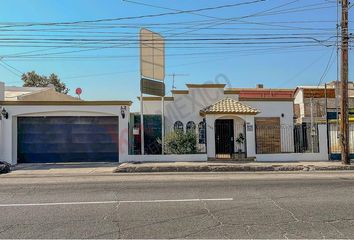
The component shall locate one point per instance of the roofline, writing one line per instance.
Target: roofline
(231, 91)
(206, 85)
(202, 113)
(156, 98)
(296, 90)
(179, 91)
(260, 89)
(34, 92)
(268, 99)
(63, 103)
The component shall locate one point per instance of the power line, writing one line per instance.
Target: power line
(8, 65)
(193, 30)
(327, 68)
(9, 69)
(133, 17)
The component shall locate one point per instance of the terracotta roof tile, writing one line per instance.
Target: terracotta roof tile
(229, 106)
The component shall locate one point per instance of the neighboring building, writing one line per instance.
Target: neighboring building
(13, 93)
(310, 102)
(41, 125)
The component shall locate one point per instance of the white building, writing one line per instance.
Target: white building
(61, 128)
(262, 118)
(40, 125)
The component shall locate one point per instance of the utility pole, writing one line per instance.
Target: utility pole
(344, 129)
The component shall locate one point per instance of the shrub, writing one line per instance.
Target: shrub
(178, 142)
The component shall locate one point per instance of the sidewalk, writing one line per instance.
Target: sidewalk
(230, 166)
(63, 169)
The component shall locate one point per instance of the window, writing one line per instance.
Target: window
(178, 126)
(201, 132)
(190, 126)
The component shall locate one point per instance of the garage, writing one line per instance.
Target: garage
(67, 139)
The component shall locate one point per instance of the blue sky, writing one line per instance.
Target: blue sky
(113, 73)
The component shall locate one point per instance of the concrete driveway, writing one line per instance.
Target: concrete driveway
(63, 169)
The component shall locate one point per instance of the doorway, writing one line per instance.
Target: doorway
(224, 138)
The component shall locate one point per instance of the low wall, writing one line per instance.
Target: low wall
(165, 158)
(322, 155)
(288, 157)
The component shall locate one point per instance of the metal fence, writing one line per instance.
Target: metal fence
(306, 138)
(333, 137)
(287, 139)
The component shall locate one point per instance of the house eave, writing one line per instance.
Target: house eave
(227, 113)
(63, 103)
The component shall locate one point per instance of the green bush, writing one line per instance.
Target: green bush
(178, 142)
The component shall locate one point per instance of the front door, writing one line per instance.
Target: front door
(224, 137)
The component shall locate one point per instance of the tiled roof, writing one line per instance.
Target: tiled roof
(229, 106)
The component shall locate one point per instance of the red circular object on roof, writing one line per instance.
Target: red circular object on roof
(78, 91)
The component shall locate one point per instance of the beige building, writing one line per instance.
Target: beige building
(12, 93)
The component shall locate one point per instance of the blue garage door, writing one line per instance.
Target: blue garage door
(67, 139)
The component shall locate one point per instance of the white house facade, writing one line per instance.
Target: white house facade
(231, 124)
(239, 124)
(62, 129)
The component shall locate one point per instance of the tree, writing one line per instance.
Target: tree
(32, 79)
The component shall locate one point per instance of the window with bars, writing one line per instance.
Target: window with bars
(201, 133)
(178, 126)
(190, 127)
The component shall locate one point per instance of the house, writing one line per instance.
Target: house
(262, 117)
(310, 102)
(40, 125)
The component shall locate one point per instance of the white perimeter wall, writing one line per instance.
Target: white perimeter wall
(8, 127)
(165, 158)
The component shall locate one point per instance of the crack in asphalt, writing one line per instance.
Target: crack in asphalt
(296, 220)
(284, 209)
(199, 231)
(114, 212)
(248, 228)
(8, 228)
(220, 224)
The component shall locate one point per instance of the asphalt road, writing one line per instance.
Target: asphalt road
(224, 207)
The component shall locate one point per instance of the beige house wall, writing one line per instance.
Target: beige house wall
(47, 95)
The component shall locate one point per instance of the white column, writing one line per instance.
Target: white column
(124, 135)
(7, 141)
(250, 136)
(210, 132)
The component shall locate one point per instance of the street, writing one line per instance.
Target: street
(210, 205)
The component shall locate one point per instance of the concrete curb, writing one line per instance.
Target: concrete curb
(229, 168)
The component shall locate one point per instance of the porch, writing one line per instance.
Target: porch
(230, 130)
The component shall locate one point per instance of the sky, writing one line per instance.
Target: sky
(93, 44)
